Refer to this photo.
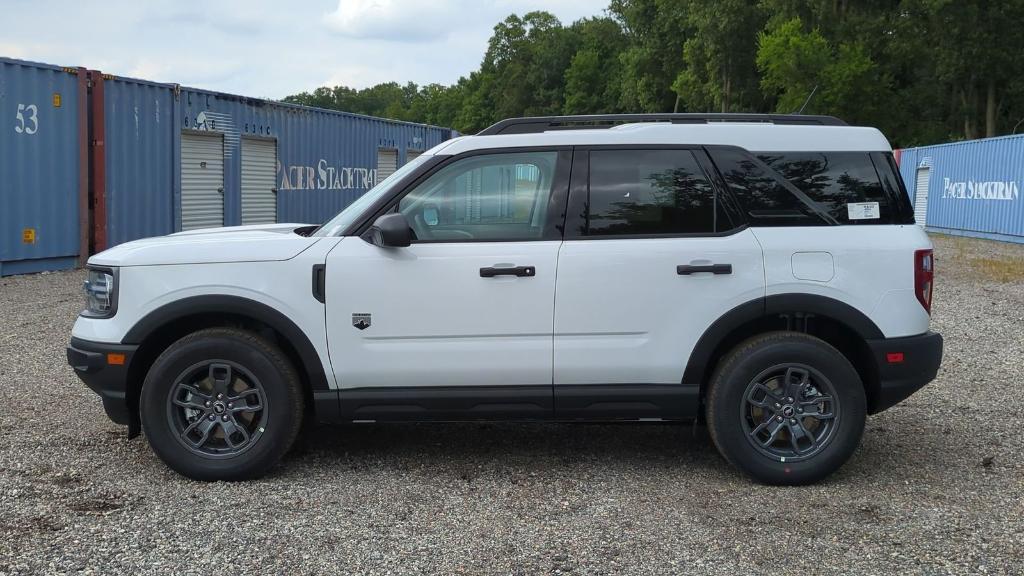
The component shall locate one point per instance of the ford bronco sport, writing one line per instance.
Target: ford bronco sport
(760, 273)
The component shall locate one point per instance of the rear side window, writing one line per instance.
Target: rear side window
(650, 192)
(843, 184)
(761, 192)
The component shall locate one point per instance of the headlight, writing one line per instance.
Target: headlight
(100, 293)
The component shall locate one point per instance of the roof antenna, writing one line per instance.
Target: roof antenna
(808, 101)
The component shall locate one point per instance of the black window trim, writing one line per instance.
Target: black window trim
(553, 223)
(579, 193)
(893, 187)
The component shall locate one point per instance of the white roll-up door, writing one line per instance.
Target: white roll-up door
(259, 172)
(411, 155)
(921, 196)
(387, 162)
(202, 181)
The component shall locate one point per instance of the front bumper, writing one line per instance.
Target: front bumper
(904, 366)
(106, 375)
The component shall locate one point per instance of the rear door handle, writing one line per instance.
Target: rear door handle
(491, 272)
(687, 269)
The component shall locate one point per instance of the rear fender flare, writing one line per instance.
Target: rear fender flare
(771, 306)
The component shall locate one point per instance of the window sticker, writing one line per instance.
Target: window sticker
(862, 211)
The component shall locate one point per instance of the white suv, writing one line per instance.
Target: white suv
(760, 273)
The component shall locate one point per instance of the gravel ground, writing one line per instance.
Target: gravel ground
(937, 486)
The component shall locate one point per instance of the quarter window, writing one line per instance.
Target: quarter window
(834, 180)
(760, 191)
(487, 197)
(648, 192)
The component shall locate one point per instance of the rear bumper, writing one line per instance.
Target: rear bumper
(110, 381)
(899, 377)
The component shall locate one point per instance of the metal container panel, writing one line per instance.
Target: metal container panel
(141, 159)
(974, 187)
(326, 159)
(41, 139)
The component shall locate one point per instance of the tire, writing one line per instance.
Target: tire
(749, 404)
(221, 404)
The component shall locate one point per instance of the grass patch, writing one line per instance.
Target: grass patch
(999, 269)
(989, 260)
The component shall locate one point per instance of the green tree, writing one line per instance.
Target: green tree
(592, 80)
(656, 31)
(923, 71)
(720, 72)
(792, 63)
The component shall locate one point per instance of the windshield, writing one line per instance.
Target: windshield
(346, 217)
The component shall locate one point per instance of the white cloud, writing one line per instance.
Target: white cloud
(397, 20)
(13, 50)
(267, 48)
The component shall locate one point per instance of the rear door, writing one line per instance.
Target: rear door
(653, 255)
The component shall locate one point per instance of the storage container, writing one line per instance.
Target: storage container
(43, 171)
(970, 188)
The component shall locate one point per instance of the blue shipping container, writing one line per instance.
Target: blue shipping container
(973, 188)
(139, 159)
(325, 159)
(42, 163)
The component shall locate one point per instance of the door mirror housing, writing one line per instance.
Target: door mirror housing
(390, 231)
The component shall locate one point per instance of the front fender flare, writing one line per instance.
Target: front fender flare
(237, 306)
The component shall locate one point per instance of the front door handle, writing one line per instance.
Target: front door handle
(491, 272)
(686, 269)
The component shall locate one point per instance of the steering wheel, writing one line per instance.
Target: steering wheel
(424, 232)
(462, 233)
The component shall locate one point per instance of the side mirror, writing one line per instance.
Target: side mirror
(390, 231)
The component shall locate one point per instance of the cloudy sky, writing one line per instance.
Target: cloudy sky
(267, 48)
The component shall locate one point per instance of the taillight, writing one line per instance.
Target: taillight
(924, 277)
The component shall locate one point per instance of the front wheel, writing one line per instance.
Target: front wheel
(786, 408)
(221, 404)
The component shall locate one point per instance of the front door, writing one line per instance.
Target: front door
(652, 257)
(459, 324)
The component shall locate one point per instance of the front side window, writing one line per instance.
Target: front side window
(650, 192)
(355, 210)
(487, 197)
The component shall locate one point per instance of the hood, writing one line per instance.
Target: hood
(254, 243)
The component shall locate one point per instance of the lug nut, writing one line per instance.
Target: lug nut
(777, 405)
(800, 410)
(219, 396)
(789, 400)
(792, 420)
(231, 404)
(207, 403)
(224, 418)
(779, 418)
(212, 417)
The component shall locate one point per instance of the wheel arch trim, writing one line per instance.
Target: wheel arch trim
(235, 306)
(774, 305)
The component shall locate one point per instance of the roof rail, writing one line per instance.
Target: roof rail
(536, 124)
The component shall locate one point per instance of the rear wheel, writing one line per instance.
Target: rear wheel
(221, 404)
(786, 408)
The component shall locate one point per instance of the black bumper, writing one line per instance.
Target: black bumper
(901, 376)
(110, 381)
